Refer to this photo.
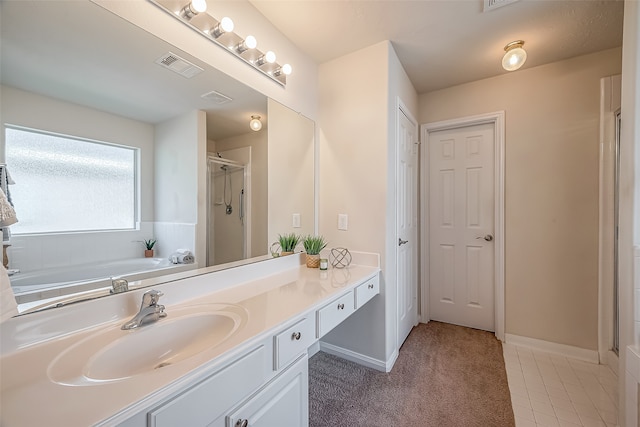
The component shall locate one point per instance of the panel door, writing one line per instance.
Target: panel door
(461, 226)
(407, 227)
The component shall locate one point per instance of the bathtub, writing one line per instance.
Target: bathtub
(42, 284)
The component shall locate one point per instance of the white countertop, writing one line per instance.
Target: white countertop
(28, 396)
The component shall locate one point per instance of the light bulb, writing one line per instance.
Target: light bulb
(198, 6)
(193, 8)
(255, 124)
(251, 42)
(248, 43)
(270, 57)
(224, 26)
(285, 69)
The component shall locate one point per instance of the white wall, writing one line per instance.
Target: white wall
(180, 180)
(551, 184)
(357, 162)
(22, 108)
(290, 172)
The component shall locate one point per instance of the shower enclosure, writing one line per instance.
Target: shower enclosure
(227, 237)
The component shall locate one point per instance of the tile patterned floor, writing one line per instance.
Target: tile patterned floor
(548, 390)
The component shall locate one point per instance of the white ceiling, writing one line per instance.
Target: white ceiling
(442, 43)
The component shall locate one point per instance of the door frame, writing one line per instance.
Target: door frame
(497, 119)
(401, 108)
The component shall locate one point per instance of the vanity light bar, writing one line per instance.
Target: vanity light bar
(211, 28)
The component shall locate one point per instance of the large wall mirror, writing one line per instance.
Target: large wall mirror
(111, 137)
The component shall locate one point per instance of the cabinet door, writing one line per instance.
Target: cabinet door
(203, 403)
(283, 402)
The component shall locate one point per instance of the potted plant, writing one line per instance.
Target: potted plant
(312, 246)
(288, 243)
(149, 244)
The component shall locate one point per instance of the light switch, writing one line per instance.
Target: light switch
(296, 220)
(343, 222)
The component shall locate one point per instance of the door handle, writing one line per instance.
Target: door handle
(487, 237)
(402, 242)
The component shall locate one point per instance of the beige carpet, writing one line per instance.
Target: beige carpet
(445, 375)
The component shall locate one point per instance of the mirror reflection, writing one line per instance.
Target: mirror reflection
(79, 84)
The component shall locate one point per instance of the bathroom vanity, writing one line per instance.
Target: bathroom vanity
(232, 351)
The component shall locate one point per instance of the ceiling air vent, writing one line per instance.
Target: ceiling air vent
(495, 4)
(178, 65)
(216, 97)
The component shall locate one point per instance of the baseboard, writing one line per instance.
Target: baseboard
(610, 359)
(359, 358)
(313, 348)
(555, 348)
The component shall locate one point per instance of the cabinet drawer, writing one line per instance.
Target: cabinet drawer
(293, 341)
(366, 291)
(204, 402)
(335, 312)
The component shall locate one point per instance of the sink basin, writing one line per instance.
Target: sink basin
(114, 355)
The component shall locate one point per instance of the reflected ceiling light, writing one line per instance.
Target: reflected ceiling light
(515, 56)
(268, 57)
(224, 26)
(193, 8)
(255, 124)
(285, 69)
(249, 43)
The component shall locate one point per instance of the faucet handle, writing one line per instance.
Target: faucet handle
(151, 297)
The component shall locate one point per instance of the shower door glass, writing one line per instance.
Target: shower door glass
(226, 240)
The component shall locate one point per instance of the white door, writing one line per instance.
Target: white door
(407, 229)
(461, 226)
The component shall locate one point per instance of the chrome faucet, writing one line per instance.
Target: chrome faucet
(150, 310)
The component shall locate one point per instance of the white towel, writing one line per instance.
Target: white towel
(7, 213)
(8, 306)
(185, 257)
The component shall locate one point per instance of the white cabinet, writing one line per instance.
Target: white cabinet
(283, 402)
(334, 313)
(367, 290)
(203, 403)
(293, 341)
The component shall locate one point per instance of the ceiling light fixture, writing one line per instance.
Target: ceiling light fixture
(221, 32)
(255, 124)
(193, 8)
(515, 56)
(249, 43)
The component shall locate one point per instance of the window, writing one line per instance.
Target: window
(66, 184)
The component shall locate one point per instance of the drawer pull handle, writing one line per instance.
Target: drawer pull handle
(242, 423)
(340, 306)
(295, 336)
(370, 286)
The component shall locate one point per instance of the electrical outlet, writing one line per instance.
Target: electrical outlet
(296, 220)
(343, 222)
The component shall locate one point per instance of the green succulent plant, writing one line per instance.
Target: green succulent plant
(288, 242)
(149, 243)
(313, 244)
